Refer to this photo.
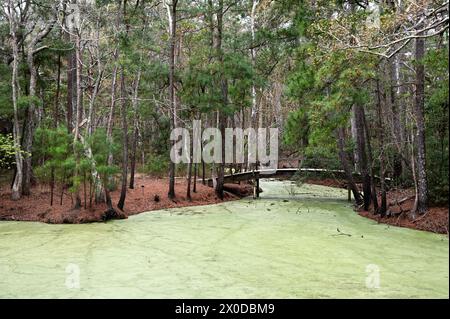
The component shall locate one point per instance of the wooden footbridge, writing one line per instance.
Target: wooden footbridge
(284, 173)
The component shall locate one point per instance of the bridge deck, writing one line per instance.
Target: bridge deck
(283, 173)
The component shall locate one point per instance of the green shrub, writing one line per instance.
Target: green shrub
(8, 151)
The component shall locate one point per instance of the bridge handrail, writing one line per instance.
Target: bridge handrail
(293, 170)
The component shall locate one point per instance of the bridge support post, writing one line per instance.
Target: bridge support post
(257, 185)
(254, 184)
(255, 178)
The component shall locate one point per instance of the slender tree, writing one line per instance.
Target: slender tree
(172, 15)
(11, 13)
(422, 183)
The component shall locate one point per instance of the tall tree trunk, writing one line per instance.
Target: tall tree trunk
(30, 123)
(78, 113)
(94, 93)
(189, 177)
(172, 13)
(382, 209)
(16, 191)
(97, 183)
(55, 124)
(113, 88)
(254, 106)
(244, 166)
(133, 157)
(203, 168)
(194, 187)
(57, 94)
(371, 164)
(396, 125)
(422, 183)
(71, 90)
(403, 110)
(414, 175)
(362, 156)
(354, 133)
(123, 192)
(112, 106)
(135, 130)
(224, 92)
(346, 167)
(110, 122)
(123, 96)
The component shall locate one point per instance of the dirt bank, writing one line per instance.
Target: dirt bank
(151, 194)
(36, 207)
(400, 204)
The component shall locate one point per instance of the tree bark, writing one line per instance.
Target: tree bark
(371, 164)
(94, 93)
(224, 93)
(172, 13)
(113, 88)
(362, 156)
(123, 96)
(355, 158)
(194, 187)
(396, 125)
(29, 126)
(133, 158)
(382, 209)
(57, 94)
(55, 121)
(123, 192)
(78, 64)
(254, 106)
(203, 167)
(112, 106)
(16, 191)
(71, 93)
(422, 182)
(135, 130)
(346, 167)
(189, 177)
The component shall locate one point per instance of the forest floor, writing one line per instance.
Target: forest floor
(400, 203)
(149, 194)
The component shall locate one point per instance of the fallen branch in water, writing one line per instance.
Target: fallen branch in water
(341, 233)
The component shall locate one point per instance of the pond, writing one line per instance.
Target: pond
(293, 242)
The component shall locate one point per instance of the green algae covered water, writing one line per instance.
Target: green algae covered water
(292, 243)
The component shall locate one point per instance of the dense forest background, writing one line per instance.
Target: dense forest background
(89, 90)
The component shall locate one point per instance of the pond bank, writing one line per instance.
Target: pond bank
(149, 194)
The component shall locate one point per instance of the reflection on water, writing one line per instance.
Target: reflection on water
(284, 245)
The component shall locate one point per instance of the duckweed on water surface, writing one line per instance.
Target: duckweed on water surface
(292, 243)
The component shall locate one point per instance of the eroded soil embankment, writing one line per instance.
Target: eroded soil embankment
(400, 204)
(148, 194)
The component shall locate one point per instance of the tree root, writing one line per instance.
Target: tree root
(111, 213)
